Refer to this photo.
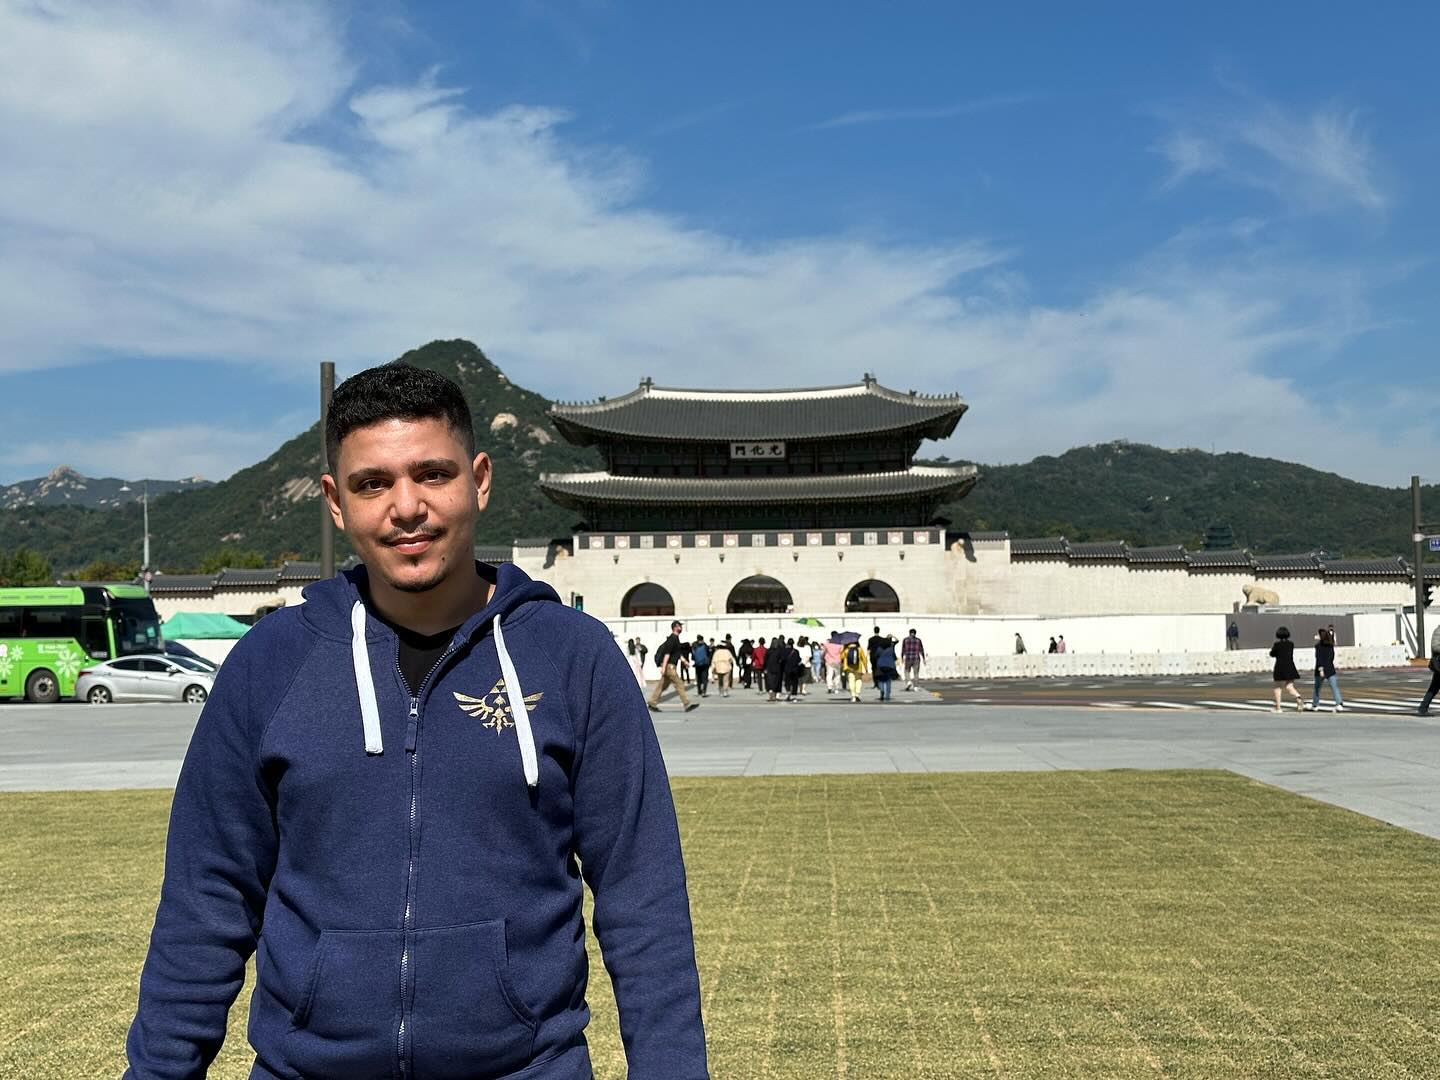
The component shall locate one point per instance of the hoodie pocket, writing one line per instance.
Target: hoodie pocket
(468, 1021)
(347, 1020)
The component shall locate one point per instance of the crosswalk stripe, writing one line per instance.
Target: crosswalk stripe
(1236, 705)
(1169, 705)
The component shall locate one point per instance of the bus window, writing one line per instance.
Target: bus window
(10, 622)
(51, 622)
(137, 627)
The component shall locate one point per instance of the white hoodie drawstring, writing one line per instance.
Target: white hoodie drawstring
(370, 709)
(364, 681)
(519, 712)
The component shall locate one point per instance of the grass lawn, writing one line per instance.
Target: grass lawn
(1116, 924)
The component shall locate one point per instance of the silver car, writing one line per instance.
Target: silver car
(142, 678)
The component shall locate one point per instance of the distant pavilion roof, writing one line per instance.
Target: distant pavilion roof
(577, 489)
(659, 412)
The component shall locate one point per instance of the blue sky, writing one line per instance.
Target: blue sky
(1191, 226)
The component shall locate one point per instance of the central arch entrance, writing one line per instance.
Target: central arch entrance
(758, 595)
(647, 598)
(872, 595)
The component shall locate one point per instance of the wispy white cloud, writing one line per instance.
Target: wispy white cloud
(1310, 160)
(164, 451)
(938, 112)
(165, 194)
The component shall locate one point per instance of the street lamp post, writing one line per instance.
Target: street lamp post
(145, 547)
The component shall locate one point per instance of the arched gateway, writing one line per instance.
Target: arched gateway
(647, 598)
(872, 595)
(758, 595)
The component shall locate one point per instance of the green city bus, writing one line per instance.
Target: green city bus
(48, 634)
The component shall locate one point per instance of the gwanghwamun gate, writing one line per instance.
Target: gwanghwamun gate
(743, 511)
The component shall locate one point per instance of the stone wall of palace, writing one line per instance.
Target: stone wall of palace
(979, 579)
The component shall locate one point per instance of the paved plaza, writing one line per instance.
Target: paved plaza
(1386, 765)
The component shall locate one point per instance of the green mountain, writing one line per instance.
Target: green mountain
(273, 507)
(1148, 496)
(1117, 490)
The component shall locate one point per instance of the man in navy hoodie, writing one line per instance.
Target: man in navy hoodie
(393, 794)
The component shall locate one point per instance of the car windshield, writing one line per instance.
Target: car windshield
(137, 627)
(192, 664)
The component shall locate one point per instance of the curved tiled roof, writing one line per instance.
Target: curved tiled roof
(1224, 559)
(1269, 564)
(1099, 549)
(1396, 567)
(1045, 545)
(1171, 555)
(577, 489)
(658, 412)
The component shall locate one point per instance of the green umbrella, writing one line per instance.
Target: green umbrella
(808, 621)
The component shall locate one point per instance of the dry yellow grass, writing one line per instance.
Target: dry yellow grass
(989, 925)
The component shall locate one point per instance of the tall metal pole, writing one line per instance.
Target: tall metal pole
(327, 524)
(145, 553)
(1422, 644)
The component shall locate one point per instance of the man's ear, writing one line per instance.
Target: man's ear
(332, 500)
(481, 470)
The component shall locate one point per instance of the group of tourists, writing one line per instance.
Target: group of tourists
(1057, 645)
(782, 668)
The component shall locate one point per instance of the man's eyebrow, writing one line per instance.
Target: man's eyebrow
(377, 472)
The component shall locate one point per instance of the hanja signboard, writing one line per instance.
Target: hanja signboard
(751, 451)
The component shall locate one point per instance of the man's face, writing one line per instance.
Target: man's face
(406, 494)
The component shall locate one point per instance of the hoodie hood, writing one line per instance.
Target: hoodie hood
(337, 608)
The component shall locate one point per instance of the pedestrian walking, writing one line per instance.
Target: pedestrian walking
(1424, 709)
(912, 652)
(885, 672)
(1060, 644)
(1054, 648)
(853, 666)
(722, 666)
(747, 649)
(831, 653)
(794, 668)
(385, 798)
(873, 646)
(757, 658)
(775, 667)
(667, 659)
(1325, 669)
(636, 661)
(1019, 645)
(700, 657)
(1284, 674)
(1232, 636)
(684, 661)
(817, 660)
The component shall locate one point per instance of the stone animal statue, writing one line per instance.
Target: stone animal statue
(1258, 594)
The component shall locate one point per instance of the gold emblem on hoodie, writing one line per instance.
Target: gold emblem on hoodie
(494, 708)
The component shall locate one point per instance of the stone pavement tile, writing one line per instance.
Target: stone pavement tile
(96, 776)
(790, 763)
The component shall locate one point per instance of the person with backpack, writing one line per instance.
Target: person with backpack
(854, 667)
(885, 672)
(1284, 675)
(743, 656)
(1325, 670)
(757, 660)
(700, 657)
(667, 659)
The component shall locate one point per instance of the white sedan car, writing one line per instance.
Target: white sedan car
(142, 678)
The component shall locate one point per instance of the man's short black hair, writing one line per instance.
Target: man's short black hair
(396, 391)
(676, 625)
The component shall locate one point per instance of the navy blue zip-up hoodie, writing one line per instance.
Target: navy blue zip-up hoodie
(408, 866)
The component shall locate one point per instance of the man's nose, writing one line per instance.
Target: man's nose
(408, 503)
